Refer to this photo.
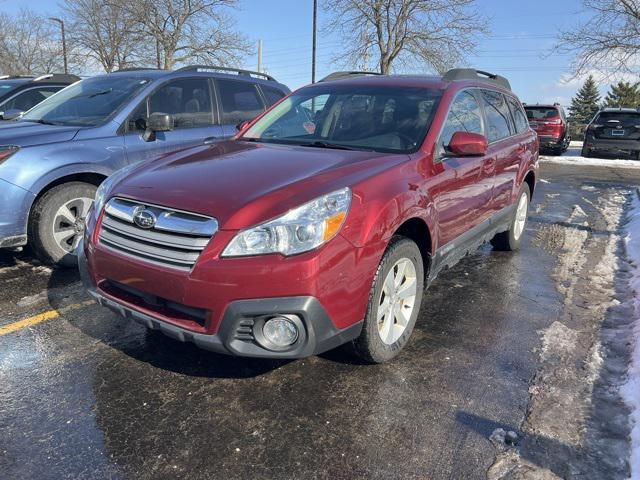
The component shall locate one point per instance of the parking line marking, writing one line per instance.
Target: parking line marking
(42, 317)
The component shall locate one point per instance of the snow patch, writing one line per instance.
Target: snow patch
(631, 390)
(591, 162)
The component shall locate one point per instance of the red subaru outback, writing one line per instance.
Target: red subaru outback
(322, 222)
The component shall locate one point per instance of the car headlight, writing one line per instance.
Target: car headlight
(7, 150)
(105, 187)
(300, 230)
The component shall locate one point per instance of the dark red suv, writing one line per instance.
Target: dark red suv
(322, 222)
(550, 123)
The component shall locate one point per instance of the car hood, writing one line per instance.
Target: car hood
(28, 134)
(242, 184)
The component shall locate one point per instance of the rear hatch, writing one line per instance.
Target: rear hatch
(546, 121)
(616, 126)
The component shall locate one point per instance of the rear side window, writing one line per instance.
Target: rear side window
(519, 118)
(497, 113)
(240, 101)
(464, 116)
(272, 95)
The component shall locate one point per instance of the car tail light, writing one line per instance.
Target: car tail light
(6, 151)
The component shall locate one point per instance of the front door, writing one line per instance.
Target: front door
(462, 188)
(191, 104)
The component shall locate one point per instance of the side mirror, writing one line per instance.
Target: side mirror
(242, 125)
(12, 114)
(157, 122)
(465, 144)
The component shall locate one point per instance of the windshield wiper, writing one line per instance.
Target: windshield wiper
(103, 92)
(43, 122)
(322, 144)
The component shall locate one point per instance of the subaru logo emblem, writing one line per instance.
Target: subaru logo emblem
(144, 218)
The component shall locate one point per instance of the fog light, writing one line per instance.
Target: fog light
(280, 331)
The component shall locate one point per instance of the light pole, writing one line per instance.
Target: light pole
(313, 48)
(64, 42)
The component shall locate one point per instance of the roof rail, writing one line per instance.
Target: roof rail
(472, 74)
(133, 69)
(57, 77)
(239, 71)
(347, 74)
(7, 77)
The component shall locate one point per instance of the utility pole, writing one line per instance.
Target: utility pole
(260, 56)
(313, 47)
(64, 43)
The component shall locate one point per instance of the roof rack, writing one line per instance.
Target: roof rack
(239, 71)
(347, 74)
(8, 77)
(471, 74)
(133, 69)
(57, 77)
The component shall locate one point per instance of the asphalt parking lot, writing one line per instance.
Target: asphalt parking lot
(531, 342)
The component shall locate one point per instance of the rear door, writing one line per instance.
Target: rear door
(238, 101)
(191, 103)
(463, 185)
(616, 126)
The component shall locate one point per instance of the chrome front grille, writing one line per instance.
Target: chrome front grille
(171, 238)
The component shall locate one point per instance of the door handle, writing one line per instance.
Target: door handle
(489, 165)
(210, 140)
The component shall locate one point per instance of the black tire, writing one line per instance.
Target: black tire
(44, 216)
(369, 346)
(557, 151)
(508, 241)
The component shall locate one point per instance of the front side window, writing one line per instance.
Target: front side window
(497, 113)
(385, 119)
(240, 101)
(519, 118)
(187, 100)
(464, 116)
(89, 102)
(29, 98)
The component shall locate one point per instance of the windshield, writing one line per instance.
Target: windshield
(627, 119)
(86, 103)
(541, 113)
(384, 119)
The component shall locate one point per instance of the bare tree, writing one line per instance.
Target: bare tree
(190, 30)
(608, 41)
(28, 44)
(439, 33)
(106, 32)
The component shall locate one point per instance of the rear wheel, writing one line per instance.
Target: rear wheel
(394, 303)
(510, 240)
(57, 219)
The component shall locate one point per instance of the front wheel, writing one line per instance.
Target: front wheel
(57, 219)
(510, 240)
(394, 302)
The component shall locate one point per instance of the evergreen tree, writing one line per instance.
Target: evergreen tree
(586, 102)
(624, 94)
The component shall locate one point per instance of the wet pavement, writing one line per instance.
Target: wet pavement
(531, 342)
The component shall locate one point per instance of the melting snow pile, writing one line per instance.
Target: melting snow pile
(631, 390)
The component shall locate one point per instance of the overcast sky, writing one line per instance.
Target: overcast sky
(518, 47)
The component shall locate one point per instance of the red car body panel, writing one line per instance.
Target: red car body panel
(242, 184)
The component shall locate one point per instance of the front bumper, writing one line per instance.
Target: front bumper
(15, 203)
(236, 332)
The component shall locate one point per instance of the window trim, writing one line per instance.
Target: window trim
(124, 128)
(473, 91)
(35, 87)
(219, 95)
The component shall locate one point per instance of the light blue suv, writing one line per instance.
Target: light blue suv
(53, 159)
